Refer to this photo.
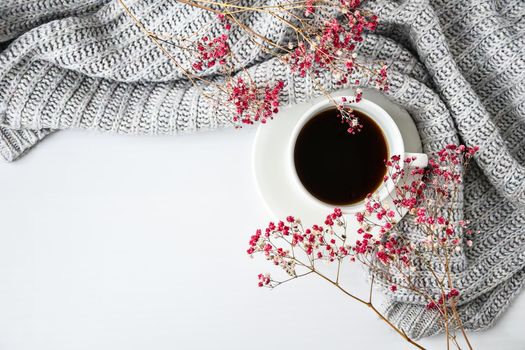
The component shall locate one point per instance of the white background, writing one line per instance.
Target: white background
(120, 242)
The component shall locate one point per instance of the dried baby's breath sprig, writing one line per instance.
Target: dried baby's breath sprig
(325, 34)
(390, 257)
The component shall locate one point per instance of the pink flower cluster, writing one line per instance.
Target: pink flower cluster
(302, 59)
(317, 242)
(324, 45)
(444, 167)
(379, 246)
(440, 303)
(381, 81)
(211, 51)
(334, 50)
(347, 114)
(422, 197)
(253, 103)
(309, 7)
(224, 20)
(385, 249)
(264, 279)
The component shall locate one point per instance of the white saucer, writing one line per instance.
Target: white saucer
(272, 178)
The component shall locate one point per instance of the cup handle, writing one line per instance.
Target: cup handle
(420, 160)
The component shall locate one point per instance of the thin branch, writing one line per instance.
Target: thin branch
(371, 289)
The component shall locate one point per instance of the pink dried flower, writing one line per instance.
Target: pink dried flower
(453, 293)
(224, 20)
(264, 279)
(350, 4)
(253, 103)
(333, 48)
(431, 305)
(309, 7)
(211, 51)
(382, 79)
(390, 257)
(302, 60)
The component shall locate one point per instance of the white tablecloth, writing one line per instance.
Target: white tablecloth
(118, 242)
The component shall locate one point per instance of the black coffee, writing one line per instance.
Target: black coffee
(337, 167)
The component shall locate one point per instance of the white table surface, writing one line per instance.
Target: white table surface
(118, 242)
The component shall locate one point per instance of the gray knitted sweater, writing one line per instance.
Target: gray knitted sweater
(458, 67)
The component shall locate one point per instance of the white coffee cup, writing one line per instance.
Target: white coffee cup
(390, 131)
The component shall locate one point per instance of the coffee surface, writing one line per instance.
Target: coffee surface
(336, 167)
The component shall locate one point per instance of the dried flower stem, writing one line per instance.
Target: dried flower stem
(390, 257)
(322, 44)
(368, 303)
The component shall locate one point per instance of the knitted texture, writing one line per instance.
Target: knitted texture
(457, 66)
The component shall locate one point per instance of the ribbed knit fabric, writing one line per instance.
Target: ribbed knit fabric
(458, 67)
